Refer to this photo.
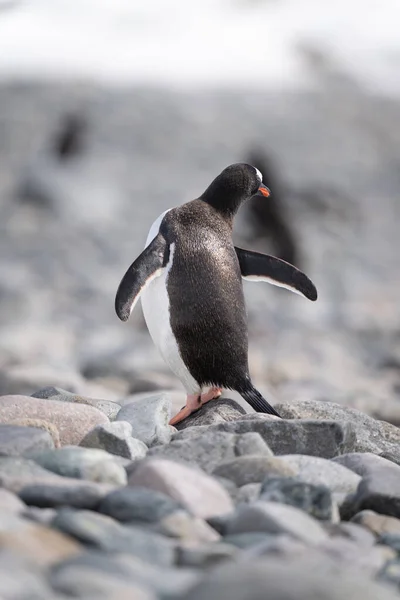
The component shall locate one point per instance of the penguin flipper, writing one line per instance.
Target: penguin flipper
(262, 267)
(148, 265)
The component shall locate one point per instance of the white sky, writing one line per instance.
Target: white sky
(209, 42)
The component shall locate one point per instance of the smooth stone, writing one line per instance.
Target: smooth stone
(109, 408)
(362, 558)
(211, 448)
(363, 463)
(248, 493)
(44, 516)
(218, 411)
(39, 544)
(319, 471)
(10, 503)
(271, 517)
(189, 530)
(79, 581)
(205, 556)
(282, 544)
(41, 424)
(16, 441)
(324, 439)
(377, 524)
(149, 418)
(277, 579)
(73, 421)
(199, 493)
(392, 540)
(315, 500)
(104, 533)
(379, 491)
(83, 463)
(65, 492)
(166, 582)
(371, 435)
(138, 503)
(253, 539)
(17, 472)
(252, 469)
(351, 531)
(21, 579)
(115, 438)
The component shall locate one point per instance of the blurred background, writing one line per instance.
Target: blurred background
(112, 111)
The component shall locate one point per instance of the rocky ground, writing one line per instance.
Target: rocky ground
(99, 497)
(105, 500)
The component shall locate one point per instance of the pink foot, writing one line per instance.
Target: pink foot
(212, 394)
(194, 402)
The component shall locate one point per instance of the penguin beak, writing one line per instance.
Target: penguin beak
(263, 191)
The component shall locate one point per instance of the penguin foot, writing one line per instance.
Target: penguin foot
(194, 402)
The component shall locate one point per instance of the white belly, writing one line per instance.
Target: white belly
(156, 310)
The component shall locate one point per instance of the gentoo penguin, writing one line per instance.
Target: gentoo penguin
(189, 277)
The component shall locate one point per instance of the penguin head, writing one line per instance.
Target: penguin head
(234, 185)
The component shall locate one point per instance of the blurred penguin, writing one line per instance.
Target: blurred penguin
(269, 219)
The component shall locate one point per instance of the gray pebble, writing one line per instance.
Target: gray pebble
(16, 441)
(138, 503)
(103, 532)
(83, 463)
(116, 438)
(149, 417)
(315, 500)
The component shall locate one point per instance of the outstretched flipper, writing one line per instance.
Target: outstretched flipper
(146, 267)
(262, 267)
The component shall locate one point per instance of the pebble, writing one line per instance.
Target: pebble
(16, 441)
(271, 517)
(315, 500)
(221, 411)
(165, 582)
(109, 408)
(16, 473)
(363, 463)
(377, 524)
(115, 438)
(20, 579)
(149, 417)
(318, 471)
(351, 531)
(73, 421)
(39, 544)
(325, 439)
(65, 492)
(10, 503)
(248, 493)
(40, 424)
(252, 469)
(138, 503)
(104, 533)
(361, 558)
(190, 530)
(208, 449)
(371, 435)
(379, 491)
(274, 579)
(248, 540)
(199, 493)
(205, 556)
(81, 581)
(83, 463)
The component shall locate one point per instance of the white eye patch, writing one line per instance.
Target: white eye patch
(259, 175)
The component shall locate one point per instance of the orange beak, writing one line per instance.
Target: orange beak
(264, 191)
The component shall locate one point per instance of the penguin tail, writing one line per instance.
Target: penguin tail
(256, 401)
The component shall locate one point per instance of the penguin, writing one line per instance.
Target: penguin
(189, 278)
